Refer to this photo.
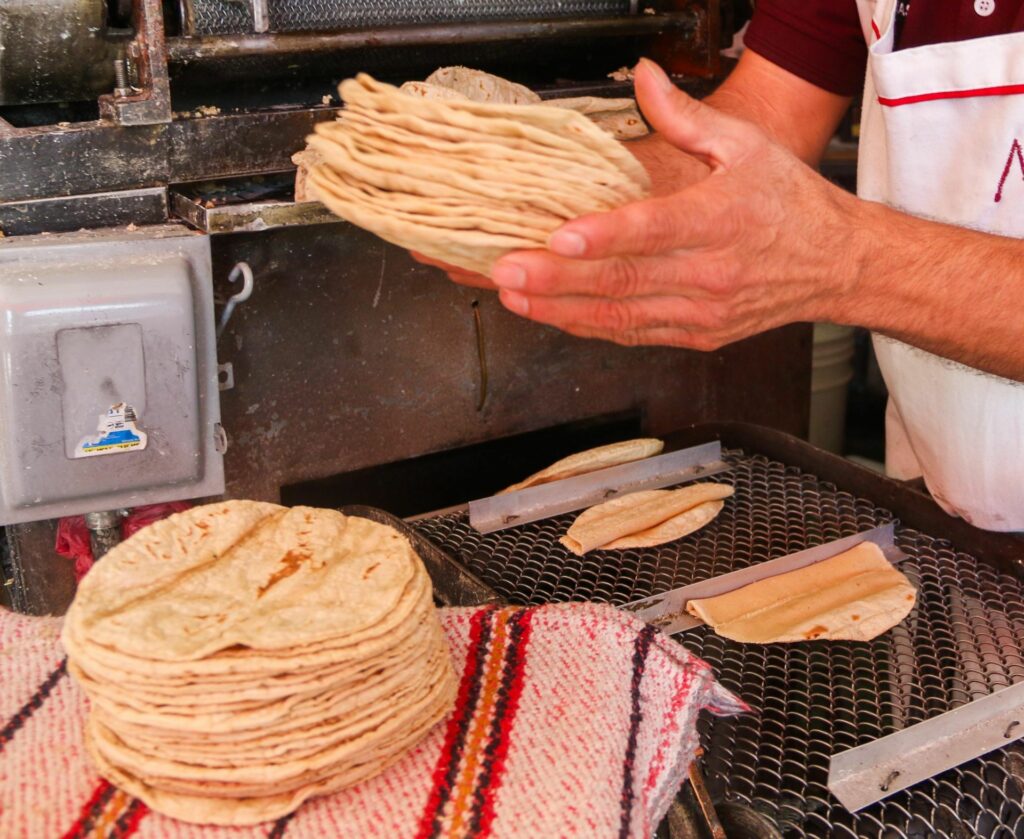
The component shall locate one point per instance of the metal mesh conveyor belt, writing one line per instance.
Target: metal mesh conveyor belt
(212, 17)
(962, 641)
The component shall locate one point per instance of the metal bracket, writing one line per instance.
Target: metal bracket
(866, 774)
(540, 502)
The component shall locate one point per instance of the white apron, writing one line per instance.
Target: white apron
(942, 136)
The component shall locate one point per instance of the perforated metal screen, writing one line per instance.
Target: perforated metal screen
(963, 640)
(210, 17)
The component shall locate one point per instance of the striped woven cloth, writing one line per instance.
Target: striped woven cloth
(571, 720)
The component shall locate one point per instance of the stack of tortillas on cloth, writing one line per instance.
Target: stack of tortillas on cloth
(463, 181)
(854, 596)
(242, 657)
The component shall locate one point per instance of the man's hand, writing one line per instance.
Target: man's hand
(670, 170)
(757, 244)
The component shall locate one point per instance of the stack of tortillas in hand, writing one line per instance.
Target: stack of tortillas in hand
(462, 181)
(242, 657)
(854, 596)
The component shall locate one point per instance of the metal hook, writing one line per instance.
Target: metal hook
(243, 270)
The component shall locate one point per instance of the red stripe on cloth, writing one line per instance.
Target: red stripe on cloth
(87, 815)
(515, 691)
(465, 705)
(999, 90)
(874, 28)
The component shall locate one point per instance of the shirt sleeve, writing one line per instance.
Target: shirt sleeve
(820, 41)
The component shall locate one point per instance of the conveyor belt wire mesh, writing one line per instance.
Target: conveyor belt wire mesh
(962, 641)
(210, 17)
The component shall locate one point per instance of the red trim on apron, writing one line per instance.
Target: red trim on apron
(876, 30)
(999, 90)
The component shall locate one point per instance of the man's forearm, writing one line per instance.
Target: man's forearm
(955, 292)
(795, 113)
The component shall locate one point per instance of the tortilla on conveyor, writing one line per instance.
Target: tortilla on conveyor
(854, 596)
(591, 460)
(242, 657)
(645, 519)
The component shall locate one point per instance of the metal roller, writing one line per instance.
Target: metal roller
(55, 51)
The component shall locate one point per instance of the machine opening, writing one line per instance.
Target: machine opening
(444, 479)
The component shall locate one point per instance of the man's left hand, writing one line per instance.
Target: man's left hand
(757, 244)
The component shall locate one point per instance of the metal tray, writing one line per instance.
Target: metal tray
(963, 640)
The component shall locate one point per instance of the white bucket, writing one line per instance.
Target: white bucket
(831, 371)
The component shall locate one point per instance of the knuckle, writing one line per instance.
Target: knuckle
(614, 315)
(624, 277)
(656, 230)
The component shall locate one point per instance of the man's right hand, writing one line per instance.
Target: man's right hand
(669, 169)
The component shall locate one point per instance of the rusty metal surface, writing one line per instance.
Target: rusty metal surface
(962, 641)
(181, 49)
(148, 100)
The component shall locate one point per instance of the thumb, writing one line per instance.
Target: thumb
(688, 124)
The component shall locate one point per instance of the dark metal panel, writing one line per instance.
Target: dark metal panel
(100, 156)
(348, 355)
(106, 209)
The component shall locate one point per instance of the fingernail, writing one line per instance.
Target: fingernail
(567, 243)
(657, 74)
(515, 302)
(509, 275)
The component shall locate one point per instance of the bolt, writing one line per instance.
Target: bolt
(121, 87)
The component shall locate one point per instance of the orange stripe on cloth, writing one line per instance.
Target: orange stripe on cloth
(480, 727)
(108, 814)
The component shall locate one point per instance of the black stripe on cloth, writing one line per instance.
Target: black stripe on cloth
(33, 705)
(280, 826)
(454, 757)
(83, 827)
(641, 647)
(498, 730)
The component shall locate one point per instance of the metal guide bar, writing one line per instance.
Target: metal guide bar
(498, 512)
(866, 774)
(668, 611)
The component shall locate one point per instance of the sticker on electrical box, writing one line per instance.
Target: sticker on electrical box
(118, 432)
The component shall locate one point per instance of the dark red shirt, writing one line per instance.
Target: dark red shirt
(822, 41)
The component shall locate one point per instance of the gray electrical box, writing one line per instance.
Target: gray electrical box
(108, 372)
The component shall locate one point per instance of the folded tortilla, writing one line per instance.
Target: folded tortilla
(642, 514)
(591, 460)
(854, 596)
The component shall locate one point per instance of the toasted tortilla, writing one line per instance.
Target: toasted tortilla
(637, 513)
(855, 596)
(687, 522)
(591, 460)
